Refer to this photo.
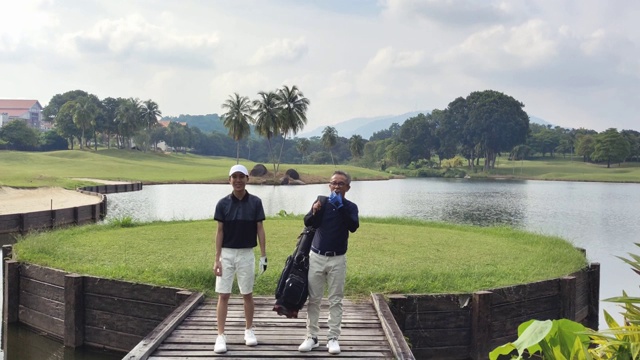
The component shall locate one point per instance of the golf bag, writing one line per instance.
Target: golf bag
(292, 291)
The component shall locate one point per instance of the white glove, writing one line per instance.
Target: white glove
(263, 264)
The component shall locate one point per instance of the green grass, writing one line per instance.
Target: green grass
(58, 168)
(385, 255)
(565, 169)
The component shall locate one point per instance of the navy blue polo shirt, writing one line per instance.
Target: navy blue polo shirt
(240, 220)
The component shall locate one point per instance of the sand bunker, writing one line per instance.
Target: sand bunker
(18, 201)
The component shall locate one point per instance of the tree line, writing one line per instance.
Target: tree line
(482, 126)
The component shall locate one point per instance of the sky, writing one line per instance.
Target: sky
(572, 63)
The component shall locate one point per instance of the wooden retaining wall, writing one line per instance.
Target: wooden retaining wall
(469, 326)
(20, 224)
(85, 310)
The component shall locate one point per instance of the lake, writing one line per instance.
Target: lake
(599, 217)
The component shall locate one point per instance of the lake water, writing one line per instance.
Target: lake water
(599, 217)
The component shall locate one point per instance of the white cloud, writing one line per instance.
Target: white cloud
(280, 51)
(573, 63)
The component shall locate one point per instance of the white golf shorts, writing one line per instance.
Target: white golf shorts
(238, 262)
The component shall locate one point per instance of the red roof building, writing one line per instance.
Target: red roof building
(29, 111)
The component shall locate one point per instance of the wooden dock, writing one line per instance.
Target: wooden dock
(368, 332)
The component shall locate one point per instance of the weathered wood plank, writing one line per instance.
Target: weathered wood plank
(118, 305)
(133, 291)
(362, 334)
(42, 289)
(43, 274)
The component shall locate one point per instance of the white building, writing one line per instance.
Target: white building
(29, 111)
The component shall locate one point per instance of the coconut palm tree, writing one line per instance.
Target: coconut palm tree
(356, 145)
(293, 113)
(129, 119)
(84, 115)
(329, 139)
(265, 112)
(150, 113)
(237, 119)
(302, 145)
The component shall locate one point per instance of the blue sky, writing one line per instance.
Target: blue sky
(572, 63)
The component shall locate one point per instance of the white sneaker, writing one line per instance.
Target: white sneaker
(221, 344)
(308, 344)
(333, 346)
(250, 337)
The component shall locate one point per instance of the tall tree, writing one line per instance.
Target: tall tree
(265, 112)
(64, 125)
(293, 114)
(129, 118)
(610, 146)
(497, 122)
(329, 139)
(106, 122)
(356, 146)
(585, 145)
(302, 145)
(237, 119)
(150, 113)
(84, 116)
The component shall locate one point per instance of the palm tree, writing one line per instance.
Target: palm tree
(356, 145)
(84, 115)
(237, 119)
(329, 139)
(150, 113)
(129, 118)
(302, 145)
(265, 111)
(293, 113)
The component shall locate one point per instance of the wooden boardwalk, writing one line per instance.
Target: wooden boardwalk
(366, 333)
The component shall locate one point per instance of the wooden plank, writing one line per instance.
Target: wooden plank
(107, 339)
(134, 308)
(362, 334)
(532, 305)
(42, 289)
(120, 323)
(52, 308)
(43, 274)
(398, 344)
(53, 327)
(438, 319)
(73, 311)
(593, 317)
(516, 293)
(11, 289)
(151, 342)
(133, 291)
(480, 319)
(568, 297)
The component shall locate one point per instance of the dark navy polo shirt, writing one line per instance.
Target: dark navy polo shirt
(240, 220)
(333, 226)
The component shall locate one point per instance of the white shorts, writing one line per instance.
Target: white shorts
(240, 262)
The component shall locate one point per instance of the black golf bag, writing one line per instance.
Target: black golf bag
(292, 291)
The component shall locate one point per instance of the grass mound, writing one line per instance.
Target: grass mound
(385, 255)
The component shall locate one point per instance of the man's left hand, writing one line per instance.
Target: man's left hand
(263, 264)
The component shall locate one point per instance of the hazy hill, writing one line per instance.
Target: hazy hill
(362, 126)
(206, 123)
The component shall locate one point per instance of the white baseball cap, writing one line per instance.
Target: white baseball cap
(238, 168)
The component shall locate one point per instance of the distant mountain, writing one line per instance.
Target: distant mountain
(537, 120)
(206, 123)
(363, 126)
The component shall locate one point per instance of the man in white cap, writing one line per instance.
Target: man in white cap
(239, 216)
